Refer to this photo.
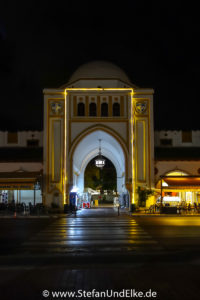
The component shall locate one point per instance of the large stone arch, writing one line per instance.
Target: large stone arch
(86, 148)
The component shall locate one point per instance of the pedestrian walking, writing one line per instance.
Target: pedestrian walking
(198, 209)
(189, 208)
(195, 208)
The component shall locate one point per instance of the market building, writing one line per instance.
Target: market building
(99, 111)
(21, 167)
(177, 166)
(98, 103)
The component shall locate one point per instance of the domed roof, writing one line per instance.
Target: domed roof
(99, 70)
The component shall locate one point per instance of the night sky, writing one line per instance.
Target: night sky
(41, 44)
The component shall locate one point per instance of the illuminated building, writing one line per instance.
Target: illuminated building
(21, 165)
(98, 103)
(177, 166)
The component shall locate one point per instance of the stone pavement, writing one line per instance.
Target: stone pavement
(76, 253)
(101, 210)
(50, 260)
(92, 231)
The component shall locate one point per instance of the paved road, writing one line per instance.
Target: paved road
(98, 249)
(13, 232)
(174, 233)
(92, 232)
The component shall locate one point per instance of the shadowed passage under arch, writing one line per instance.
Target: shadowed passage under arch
(100, 178)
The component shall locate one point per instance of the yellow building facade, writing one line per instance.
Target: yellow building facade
(98, 102)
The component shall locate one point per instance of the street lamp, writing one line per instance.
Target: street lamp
(100, 161)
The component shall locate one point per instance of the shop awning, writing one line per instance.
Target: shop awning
(181, 182)
(19, 180)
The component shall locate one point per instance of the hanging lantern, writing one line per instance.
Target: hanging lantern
(100, 161)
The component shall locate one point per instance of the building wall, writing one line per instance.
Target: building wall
(132, 126)
(177, 138)
(21, 166)
(173, 135)
(22, 137)
(162, 167)
(189, 167)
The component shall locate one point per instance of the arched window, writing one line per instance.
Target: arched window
(104, 109)
(92, 109)
(116, 109)
(81, 109)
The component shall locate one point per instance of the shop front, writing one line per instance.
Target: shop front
(20, 188)
(179, 191)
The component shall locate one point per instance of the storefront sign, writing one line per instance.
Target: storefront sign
(16, 187)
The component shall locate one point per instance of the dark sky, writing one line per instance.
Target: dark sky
(157, 45)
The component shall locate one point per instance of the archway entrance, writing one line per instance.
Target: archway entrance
(102, 180)
(83, 162)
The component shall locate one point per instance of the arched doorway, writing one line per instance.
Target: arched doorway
(88, 148)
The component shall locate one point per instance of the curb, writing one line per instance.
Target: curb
(164, 215)
(34, 217)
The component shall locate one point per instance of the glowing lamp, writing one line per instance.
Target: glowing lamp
(74, 189)
(100, 161)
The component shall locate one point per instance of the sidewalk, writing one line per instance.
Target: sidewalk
(95, 212)
(141, 214)
(21, 216)
(164, 215)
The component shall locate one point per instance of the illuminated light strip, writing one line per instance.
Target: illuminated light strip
(144, 150)
(99, 89)
(132, 150)
(52, 151)
(65, 149)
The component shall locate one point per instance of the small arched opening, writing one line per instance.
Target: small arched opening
(81, 109)
(116, 109)
(104, 109)
(92, 109)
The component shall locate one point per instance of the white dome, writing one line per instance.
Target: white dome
(99, 70)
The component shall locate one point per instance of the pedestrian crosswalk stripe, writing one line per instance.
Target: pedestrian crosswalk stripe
(87, 235)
